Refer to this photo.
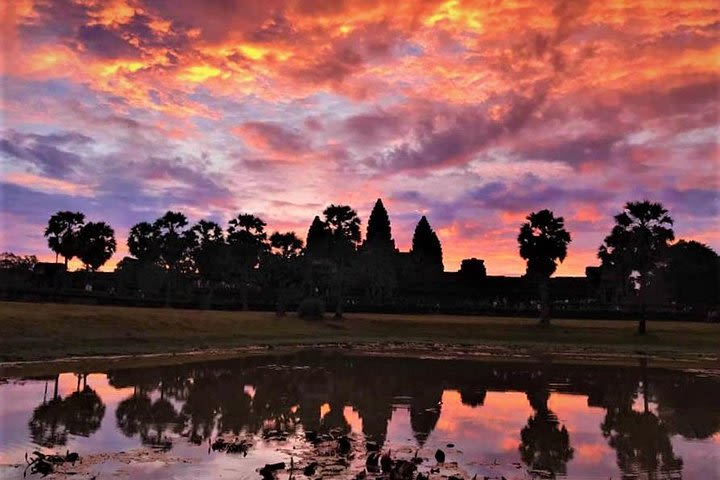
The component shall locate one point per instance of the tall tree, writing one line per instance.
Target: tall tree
(343, 226)
(248, 241)
(96, 244)
(62, 233)
(426, 247)
(286, 245)
(282, 265)
(637, 245)
(173, 247)
(693, 273)
(543, 243)
(144, 242)
(209, 253)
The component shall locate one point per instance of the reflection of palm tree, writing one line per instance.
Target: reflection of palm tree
(47, 425)
(132, 414)
(161, 416)
(544, 443)
(81, 413)
(640, 439)
(84, 412)
(200, 409)
(235, 407)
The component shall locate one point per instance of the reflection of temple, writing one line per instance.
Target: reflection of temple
(312, 389)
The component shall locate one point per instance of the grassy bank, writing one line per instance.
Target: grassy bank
(30, 331)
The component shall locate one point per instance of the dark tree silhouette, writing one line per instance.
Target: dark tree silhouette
(282, 266)
(286, 245)
(426, 248)
(19, 263)
(247, 239)
(637, 244)
(96, 244)
(543, 243)
(62, 234)
(210, 253)
(173, 247)
(693, 273)
(344, 229)
(144, 242)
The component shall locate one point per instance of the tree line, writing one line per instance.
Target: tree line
(636, 250)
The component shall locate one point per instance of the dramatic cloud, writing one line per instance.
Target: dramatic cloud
(471, 112)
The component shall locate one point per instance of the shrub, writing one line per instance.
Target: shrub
(312, 308)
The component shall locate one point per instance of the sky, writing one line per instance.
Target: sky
(473, 113)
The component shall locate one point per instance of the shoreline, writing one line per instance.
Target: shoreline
(669, 360)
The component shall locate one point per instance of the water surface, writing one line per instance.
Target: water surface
(494, 419)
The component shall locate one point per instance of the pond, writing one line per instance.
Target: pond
(490, 418)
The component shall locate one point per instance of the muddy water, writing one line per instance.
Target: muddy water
(512, 420)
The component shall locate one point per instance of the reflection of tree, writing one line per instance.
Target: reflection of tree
(162, 416)
(235, 407)
(544, 443)
(132, 414)
(84, 412)
(640, 439)
(47, 425)
(138, 415)
(689, 406)
(200, 409)
(81, 413)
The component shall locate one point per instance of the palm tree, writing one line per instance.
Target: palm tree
(637, 244)
(281, 266)
(343, 225)
(543, 243)
(173, 246)
(247, 239)
(97, 244)
(143, 242)
(209, 253)
(62, 234)
(286, 245)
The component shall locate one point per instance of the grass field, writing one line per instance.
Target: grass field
(30, 331)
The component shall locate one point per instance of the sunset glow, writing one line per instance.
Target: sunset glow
(473, 113)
